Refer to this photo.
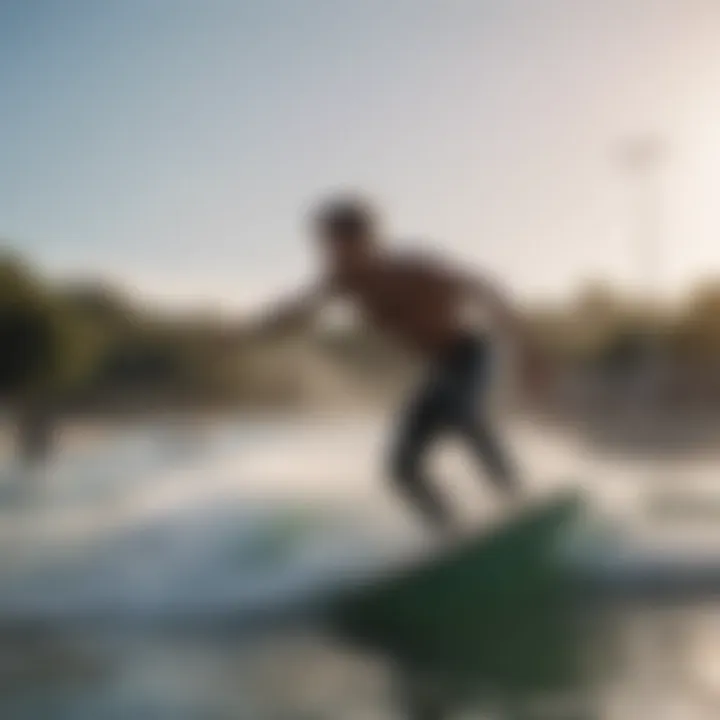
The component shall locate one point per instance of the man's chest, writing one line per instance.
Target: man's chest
(397, 297)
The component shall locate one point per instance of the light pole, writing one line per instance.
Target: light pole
(642, 159)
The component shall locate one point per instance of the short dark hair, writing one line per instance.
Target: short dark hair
(351, 216)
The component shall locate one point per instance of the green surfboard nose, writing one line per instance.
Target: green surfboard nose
(495, 610)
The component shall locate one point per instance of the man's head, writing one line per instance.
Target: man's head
(347, 229)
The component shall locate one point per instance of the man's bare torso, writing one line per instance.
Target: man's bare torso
(411, 299)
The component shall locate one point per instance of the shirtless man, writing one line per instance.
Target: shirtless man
(423, 304)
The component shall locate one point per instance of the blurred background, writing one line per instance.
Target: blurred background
(157, 160)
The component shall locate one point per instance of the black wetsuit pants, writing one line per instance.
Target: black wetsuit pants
(450, 400)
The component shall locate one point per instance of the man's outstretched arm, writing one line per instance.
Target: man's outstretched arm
(294, 312)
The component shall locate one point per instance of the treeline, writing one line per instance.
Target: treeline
(602, 328)
(88, 347)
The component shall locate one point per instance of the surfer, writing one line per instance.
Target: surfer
(428, 306)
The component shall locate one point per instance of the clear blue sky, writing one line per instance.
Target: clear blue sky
(173, 145)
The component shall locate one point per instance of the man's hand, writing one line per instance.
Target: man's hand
(535, 370)
(284, 318)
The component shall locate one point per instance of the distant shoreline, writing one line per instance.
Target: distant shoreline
(666, 434)
(77, 428)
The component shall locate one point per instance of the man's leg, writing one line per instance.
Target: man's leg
(486, 447)
(419, 427)
(468, 399)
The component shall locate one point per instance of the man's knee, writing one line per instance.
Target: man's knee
(404, 466)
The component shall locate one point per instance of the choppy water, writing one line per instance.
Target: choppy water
(228, 519)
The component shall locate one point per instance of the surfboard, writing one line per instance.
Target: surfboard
(494, 608)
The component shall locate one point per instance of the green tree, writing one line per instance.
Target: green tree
(28, 332)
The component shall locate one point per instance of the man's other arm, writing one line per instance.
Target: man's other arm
(503, 311)
(534, 368)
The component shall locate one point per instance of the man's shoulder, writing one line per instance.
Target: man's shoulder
(413, 253)
(417, 257)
